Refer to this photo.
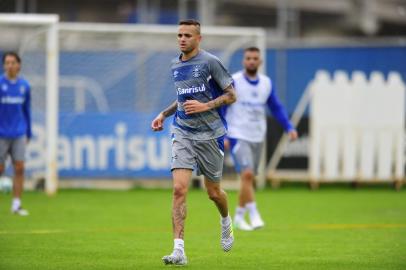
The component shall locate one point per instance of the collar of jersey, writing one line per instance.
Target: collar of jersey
(253, 82)
(180, 57)
(10, 81)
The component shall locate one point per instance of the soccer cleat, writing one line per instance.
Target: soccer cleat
(20, 212)
(177, 257)
(227, 236)
(241, 224)
(257, 222)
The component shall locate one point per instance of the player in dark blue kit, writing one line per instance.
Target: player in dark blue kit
(15, 124)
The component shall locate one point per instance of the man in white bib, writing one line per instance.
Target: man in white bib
(246, 120)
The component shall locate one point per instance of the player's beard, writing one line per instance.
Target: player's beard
(251, 71)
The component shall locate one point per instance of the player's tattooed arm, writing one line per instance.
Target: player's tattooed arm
(171, 109)
(227, 98)
(194, 106)
(158, 123)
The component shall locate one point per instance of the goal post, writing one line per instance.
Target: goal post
(35, 38)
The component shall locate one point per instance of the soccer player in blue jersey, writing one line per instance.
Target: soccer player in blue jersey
(246, 120)
(15, 124)
(203, 87)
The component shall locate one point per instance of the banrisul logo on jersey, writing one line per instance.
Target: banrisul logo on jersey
(191, 90)
(12, 100)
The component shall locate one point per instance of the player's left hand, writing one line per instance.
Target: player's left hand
(226, 144)
(293, 135)
(194, 106)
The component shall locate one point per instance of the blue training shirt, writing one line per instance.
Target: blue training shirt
(15, 116)
(202, 78)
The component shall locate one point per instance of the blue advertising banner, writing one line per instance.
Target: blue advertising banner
(106, 146)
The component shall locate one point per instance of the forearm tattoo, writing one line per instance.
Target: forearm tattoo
(227, 98)
(171, 109)
(178, 219)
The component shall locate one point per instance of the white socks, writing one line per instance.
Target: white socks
(179, 244)
(252, 208)
(225, 221)
(239, 213)
(16, 204)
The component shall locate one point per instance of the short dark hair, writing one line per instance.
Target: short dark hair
(191, 22)
(14, 54)
(252, 49)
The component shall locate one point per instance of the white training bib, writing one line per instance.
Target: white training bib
(246, 118)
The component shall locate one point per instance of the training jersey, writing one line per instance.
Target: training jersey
(246, 118)
(15, 116)
(202, 78)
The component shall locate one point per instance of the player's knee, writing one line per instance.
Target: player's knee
(179, 190)
(19, 169)
(247, 175)
(214, 194)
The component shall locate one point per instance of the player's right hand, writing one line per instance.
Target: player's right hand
(158, 123)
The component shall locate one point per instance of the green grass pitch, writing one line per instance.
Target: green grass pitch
(332, 228)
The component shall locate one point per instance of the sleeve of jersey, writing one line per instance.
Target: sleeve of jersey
(220, 73)
(27, 112)
(278, 111)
